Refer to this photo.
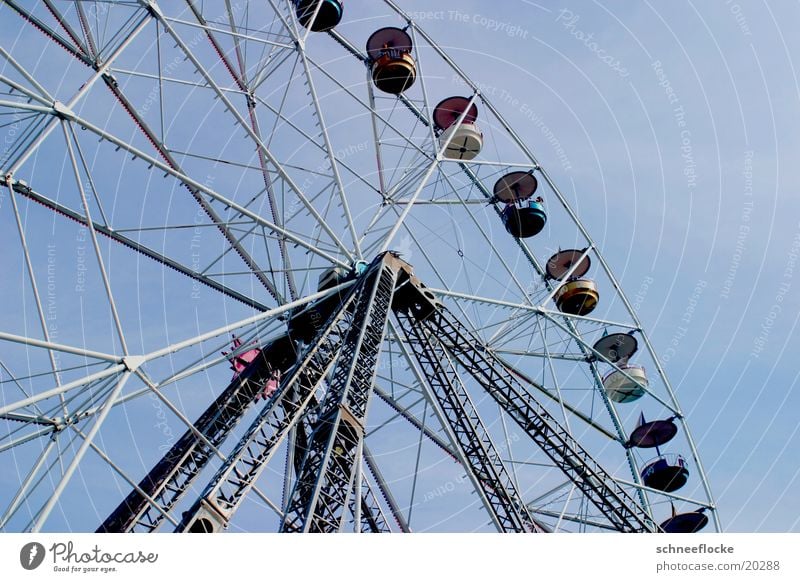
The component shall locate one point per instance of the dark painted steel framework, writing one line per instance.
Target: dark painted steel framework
(341, 361)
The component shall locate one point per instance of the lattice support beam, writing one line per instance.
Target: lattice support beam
(321, 494)
(373, 520)
(481, 458)
(615, 503)
(169, 479)
(236, 477)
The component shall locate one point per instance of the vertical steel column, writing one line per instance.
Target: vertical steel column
(320, 496)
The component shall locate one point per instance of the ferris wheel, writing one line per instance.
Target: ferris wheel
(281, 266)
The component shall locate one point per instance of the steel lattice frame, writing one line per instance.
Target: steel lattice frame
(213, 159)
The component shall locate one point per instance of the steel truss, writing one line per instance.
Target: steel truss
(329, 475)
(483, 462)
(174, 473)
(332, 462)
(296, 398)
(319, 413)
(433, 329)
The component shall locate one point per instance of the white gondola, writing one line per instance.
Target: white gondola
(626, 384)
(463, 141)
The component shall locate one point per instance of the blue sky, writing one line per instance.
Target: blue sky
(720, 215)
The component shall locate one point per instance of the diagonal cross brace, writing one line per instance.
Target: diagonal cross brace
(236, 477)
(618, 506)
(481, 458)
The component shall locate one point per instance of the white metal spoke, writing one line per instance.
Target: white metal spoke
(93, 234)
(259, 143)
(19, 497)
(62, 389)
(34, 286)
(51, 502)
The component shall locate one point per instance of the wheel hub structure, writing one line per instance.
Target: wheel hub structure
(249, 288)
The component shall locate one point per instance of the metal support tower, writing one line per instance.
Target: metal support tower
(619, 507)
(334, 455)
(169, 479)
(329, 443)
(294, 399)
(482, 461)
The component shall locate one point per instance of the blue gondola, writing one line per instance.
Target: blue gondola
(523, 216)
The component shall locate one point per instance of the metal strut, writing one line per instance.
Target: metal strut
(291, 403)
(324, 484)
(442, 328)
(234, 479)
(373, 520)
(169, 479)
(481, 458)
(330, 431)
